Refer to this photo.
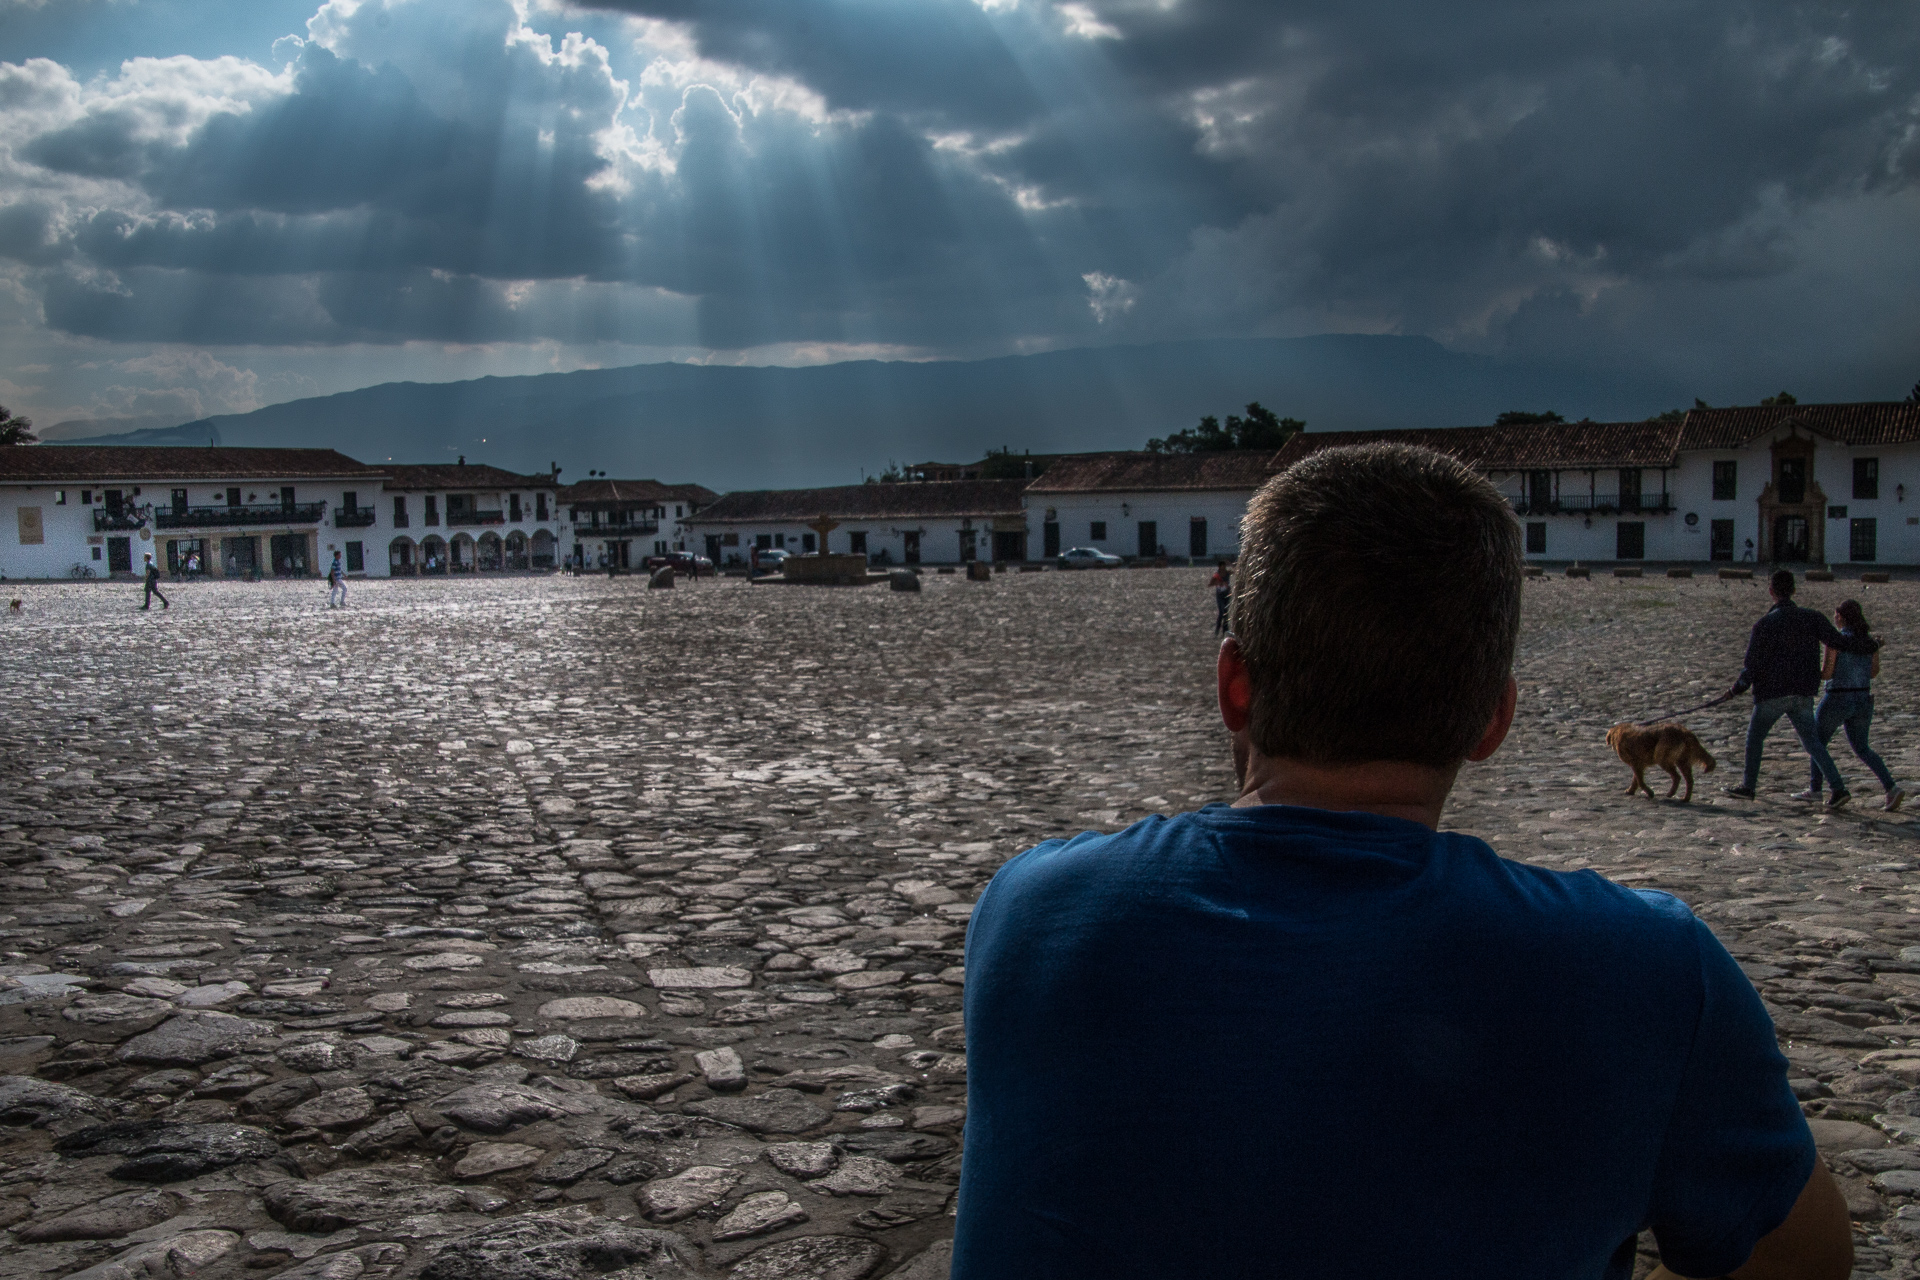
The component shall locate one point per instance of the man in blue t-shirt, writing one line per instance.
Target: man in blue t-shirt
(1309, 1035)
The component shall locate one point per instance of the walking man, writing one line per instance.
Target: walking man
(336, 584)
(153, 585)
(1783, 670)
(1311, 1035)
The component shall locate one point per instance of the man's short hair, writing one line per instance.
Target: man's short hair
(1377, 606)
(1782, 582)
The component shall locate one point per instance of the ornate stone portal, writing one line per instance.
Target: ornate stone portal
(1793, 507)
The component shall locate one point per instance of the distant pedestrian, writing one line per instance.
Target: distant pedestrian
(1849, 702)
(153, 585)
(1783, 670)
(193, 565)
(1222, 583)
(336, 584)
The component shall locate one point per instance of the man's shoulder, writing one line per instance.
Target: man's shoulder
(1109, 852)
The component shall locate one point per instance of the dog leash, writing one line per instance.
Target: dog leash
(1713, 702)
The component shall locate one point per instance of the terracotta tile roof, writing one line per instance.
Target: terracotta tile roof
(1868, 424)
(1142, 472)
(931, 499)
(79, 464)
(648, 493)
(461, 475)
(1517, 448)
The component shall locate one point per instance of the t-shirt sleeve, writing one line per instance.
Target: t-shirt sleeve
(1737, 1150)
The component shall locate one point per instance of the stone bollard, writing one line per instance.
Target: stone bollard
(1679, 573)
(979, 571)
(662, 577)
(1728, 575)
(1876, 576)
(1534, 571)
(1819, 575)
(1578, 571)
(903, 580)
(1626, 573)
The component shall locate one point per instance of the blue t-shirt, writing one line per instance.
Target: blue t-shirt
(1279, 1041)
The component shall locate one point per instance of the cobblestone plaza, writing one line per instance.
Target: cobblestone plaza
(515, 925)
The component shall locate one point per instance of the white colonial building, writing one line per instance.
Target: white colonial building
(220, 512)
(619, 523)
(464, 518)
(100, 510)
(1182, 505)
(913, 522)
(1788, 484)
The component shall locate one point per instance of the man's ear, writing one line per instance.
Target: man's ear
(1236, 686)
(1498, 726)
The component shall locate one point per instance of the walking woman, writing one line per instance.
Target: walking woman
(1849, 702)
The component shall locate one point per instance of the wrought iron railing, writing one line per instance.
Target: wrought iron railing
(265, 513)
(631, 528)
(352, 517)
(104, 520)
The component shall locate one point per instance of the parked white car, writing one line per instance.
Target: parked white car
(1089, 558)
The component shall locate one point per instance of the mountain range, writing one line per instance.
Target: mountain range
(746, 427)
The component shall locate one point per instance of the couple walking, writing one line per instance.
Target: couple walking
(1784, 670)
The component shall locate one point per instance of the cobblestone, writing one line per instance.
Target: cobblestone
(552, 899)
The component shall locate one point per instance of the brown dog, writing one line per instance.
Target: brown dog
(1669, 746)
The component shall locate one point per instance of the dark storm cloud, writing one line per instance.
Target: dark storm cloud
(1215, 166)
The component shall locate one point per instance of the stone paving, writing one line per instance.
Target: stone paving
(553, 927)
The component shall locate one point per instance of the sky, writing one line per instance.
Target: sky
(211, 205)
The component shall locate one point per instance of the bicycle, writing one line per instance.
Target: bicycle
(82, 570)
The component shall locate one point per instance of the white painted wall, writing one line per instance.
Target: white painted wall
(940, 540)
(1171, 512)
(64, 528)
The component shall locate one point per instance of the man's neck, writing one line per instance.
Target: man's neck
(1389, 788)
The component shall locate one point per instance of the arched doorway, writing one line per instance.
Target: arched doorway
(433, 554)
(400, 556)
(460, 554)
(517, 550)
(487, 552)
(542, 549)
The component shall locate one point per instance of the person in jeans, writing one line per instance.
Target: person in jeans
(153, 585)
(336, 584)
(1309, 1034)
(1783, 670)
(1849, 702)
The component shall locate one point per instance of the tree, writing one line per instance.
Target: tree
(1260, 429)
(15, 429)
(1780, 401)
(1524, 418)
(1913, 396)
(1679, 415)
